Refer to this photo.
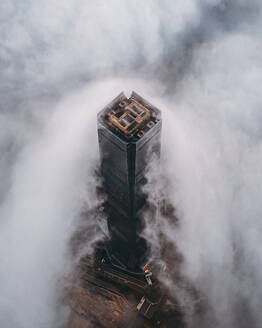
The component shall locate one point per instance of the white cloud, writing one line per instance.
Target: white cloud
(203, 60)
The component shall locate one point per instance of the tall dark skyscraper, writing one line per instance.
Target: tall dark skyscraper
(129, 132)
(118, 286)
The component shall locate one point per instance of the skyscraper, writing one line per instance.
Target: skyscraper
(129, 132)
(114, 287)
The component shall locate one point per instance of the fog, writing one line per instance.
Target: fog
(200, 63)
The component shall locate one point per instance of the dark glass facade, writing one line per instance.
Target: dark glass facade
(129, 131)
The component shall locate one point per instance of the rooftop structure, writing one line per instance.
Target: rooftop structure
(129, 118)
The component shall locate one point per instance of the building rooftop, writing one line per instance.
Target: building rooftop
(129, 118)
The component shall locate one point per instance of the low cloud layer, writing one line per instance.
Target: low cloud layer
(200, 63)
